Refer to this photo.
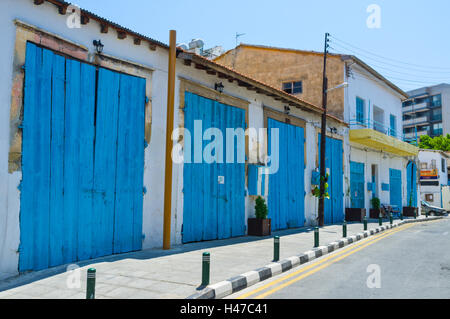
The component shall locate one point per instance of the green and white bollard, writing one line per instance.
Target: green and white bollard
(365, 222)
(391, 219)
(90, 285)
(316, 237)
(344, 229)
(380, 220)
(401, 216)
(426, 214)
(276, 248)
(415, 215)
(206, 262)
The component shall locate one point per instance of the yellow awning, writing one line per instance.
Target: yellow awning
(382, 142)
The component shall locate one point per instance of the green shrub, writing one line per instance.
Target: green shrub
(375, 203)
(261, 208)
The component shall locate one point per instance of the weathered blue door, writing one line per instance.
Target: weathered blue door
(82, 161)
(357, 197)
(286, 200)
(214, 188)
(411, 173)
(334, 207)
(395, 181)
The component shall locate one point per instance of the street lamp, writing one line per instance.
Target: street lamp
(340, 86)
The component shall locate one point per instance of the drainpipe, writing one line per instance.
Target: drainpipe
(169, 142)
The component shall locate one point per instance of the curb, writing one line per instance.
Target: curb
(235, 284)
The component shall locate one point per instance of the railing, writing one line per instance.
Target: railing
(380, 127)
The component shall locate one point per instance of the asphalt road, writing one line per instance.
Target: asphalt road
(412, 261)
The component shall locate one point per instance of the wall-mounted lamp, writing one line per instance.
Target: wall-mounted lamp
(219, 87)
(287, 109)
(98, 46)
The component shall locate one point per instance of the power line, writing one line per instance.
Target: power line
(386, 58)
(340, 46)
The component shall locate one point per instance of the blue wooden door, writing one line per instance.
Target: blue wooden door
(286, 200)
(213, 188)
(82, 161)
(334, 206)
(411, 173)
(395, 188)
(357, 185)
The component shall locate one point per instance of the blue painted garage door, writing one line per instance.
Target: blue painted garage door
(214, 191)
(82, 161)
(395, 181)
(334, 207)
(286, 200)
(357, 197)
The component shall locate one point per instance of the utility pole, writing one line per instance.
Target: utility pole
(323, 135)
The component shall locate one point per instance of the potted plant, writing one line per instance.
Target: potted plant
(376, 210)
(410, 211)
(261, 225)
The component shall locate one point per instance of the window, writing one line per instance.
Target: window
(360, 110)
(443, 162)
(436, 114)
(436, 100)
(293, 87)
(393, 130)
(407, 103)
(437, 129)
(429, 197)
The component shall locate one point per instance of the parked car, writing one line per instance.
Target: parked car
(432, 210)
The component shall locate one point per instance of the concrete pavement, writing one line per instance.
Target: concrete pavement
(411, 262)
(168, 274)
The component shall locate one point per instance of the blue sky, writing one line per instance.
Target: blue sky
(411, 47)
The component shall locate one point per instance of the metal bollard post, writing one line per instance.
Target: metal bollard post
(380, 220)
(90, 285)
(391, 219)
(344, 229)
(316, 237)
(401, 216)
(206, 261)
(426, 214)
(276, 248)
(365, 222)
(415, 215)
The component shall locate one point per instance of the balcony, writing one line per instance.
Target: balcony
(416, 108)
(416, 121)
(380, 137)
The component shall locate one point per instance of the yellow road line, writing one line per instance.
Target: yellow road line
(329, 263)
(321, 261)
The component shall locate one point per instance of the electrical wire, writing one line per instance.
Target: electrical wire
(386, 58)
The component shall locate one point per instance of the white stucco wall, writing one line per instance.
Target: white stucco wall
(46, 17)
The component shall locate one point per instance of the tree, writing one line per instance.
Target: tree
(441, 143)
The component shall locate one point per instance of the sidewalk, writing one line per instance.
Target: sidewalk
(171, 274)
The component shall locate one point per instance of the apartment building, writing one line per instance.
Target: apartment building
(427, 112)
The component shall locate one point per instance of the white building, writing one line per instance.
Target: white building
(433, 175)
(373, 107)
(77, 182)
